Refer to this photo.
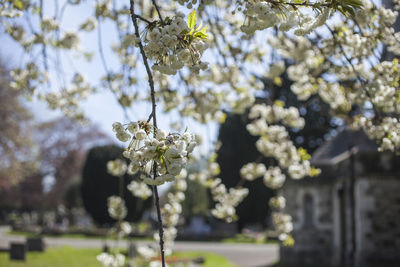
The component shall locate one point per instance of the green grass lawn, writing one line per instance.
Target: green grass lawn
(72, 257)
(56, 257)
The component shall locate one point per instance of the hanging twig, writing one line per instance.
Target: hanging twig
(158, 12)
(154, 118)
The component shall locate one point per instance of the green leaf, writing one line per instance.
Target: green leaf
(36, 10)
(354, 3)
(199, 27)
(342, 11)
(192, 19)
(279, 103)
(18, 4)
(349, 10)
(204, 30)
(201, 35)
(314, 172)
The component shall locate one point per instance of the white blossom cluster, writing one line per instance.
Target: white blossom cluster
(311, 63)
(67, 100)
(190, 3)
(277, 202)
(140, 189)
(275, 142)
(204, 106)
(158, 157)
(354, 80)
(383, 86)
(171, 212)
(251, 171)
(125, 228)
(110, 260)
(149, 254)
(206, 176)
(88, 25)
(116, 167)
(28, 78)
(116, 207)
(387, 131)
(283, 225)
(261, 15)
(227, 201)
(49, 24)
(274, 178)
(273, 114)
(172, 48)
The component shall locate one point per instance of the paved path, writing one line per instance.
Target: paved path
(244, 255)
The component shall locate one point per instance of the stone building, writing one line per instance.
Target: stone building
(350, 214)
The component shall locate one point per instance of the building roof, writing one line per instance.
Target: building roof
(339, 147)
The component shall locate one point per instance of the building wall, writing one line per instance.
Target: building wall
(326, 239)
(378, 221)
(312, 227)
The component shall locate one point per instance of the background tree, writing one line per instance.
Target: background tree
(197, 200)
(98, 185)
(63, 144)
(238, 148)
(60, 148)
(16, 156)
(26, 196)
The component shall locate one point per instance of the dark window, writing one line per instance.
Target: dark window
(308, 211)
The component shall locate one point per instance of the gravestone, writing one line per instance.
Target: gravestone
(132, 250)
(35, 244)
(199, 260)
(18, 251)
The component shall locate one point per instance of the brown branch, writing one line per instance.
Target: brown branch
(158, 12)
(154, 117)
(305, 3)
(44, 52)
(144, 19)
(106, 69)
(146, 64)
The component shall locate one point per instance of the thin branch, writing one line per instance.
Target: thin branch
(305, 3)
(44, 52)
(158, 12)
(144, 19)
(154, 117)
(146, 64)
(150, 117)
(106, 69)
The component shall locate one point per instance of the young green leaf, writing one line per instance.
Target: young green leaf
(201, 35)
(204, 30)
(192, 19)
(18, 5)
(199, 27)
